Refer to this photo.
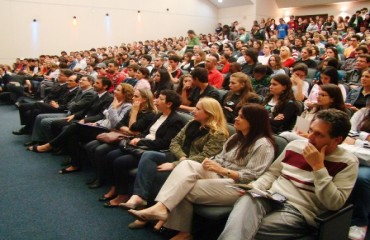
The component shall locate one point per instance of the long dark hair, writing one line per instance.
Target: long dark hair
(331, 72)
(286, 96)
(335, 93)
(259, 127)
(164, 82)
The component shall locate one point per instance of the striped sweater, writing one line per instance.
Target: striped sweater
(311, 192)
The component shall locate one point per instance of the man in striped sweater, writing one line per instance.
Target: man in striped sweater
(314, 177)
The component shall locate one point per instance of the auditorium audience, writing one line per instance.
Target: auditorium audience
(64, 115)
(245, 156)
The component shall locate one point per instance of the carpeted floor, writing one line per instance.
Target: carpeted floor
(38, 203)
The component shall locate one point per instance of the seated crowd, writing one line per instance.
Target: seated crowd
(196, 114)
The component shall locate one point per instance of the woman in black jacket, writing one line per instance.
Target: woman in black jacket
(156, 137)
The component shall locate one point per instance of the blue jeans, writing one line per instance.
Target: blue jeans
(361, 198)
(147, 173)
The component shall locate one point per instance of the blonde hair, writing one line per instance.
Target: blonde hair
(216, 121)
(149, 104)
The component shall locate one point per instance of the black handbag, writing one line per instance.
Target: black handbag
(125, 147)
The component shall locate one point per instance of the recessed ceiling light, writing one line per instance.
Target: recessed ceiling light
(220, 1)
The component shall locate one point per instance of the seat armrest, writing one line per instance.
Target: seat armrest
(335, 224)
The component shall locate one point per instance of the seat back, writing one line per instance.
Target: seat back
(311, 73)
(281, 143)
(186, 117)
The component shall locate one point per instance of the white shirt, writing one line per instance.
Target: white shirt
(153, 129)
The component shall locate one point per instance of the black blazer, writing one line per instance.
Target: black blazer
(57, 93)
(95, 111)
(82, 101)
(66, 98)
(165, 133)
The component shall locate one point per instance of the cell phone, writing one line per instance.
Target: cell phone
(278, 197)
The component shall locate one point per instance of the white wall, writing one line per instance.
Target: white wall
(336, 9)
(245, 15)
(55, 31)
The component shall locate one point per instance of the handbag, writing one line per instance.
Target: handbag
(110, 137)
(137, 151)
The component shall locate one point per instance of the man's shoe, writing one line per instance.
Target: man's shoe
(96, 184)
(22, 131)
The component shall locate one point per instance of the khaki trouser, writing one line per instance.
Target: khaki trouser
(189, 183)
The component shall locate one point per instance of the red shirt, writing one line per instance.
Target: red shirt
(215, 78)
(226, 68)
(288, 63)
(116, 79)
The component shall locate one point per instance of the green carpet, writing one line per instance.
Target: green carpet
(36, 202)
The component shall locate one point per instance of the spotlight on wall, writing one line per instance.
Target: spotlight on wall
(139, 16)
(34, 20)
(74, 20)
(107, 14)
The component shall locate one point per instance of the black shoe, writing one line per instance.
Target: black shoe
(22, 131)
(96, 184)
(103, 199)
(90, 181)
(65, 171)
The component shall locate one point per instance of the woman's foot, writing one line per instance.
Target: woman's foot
(137, 224)
(156, 212)
(69, 169)
(135, 202)
(116, 201)
(111, 194)
(157, 227)
(41, 148)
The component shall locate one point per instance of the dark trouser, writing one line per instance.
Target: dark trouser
(96, 153)
(75, 136)
(147, 173)
(119, 166)
(29, 111)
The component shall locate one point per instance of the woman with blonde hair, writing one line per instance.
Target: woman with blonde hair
(245, 156)
(202, 137)
(286, 57)
(241, 92)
